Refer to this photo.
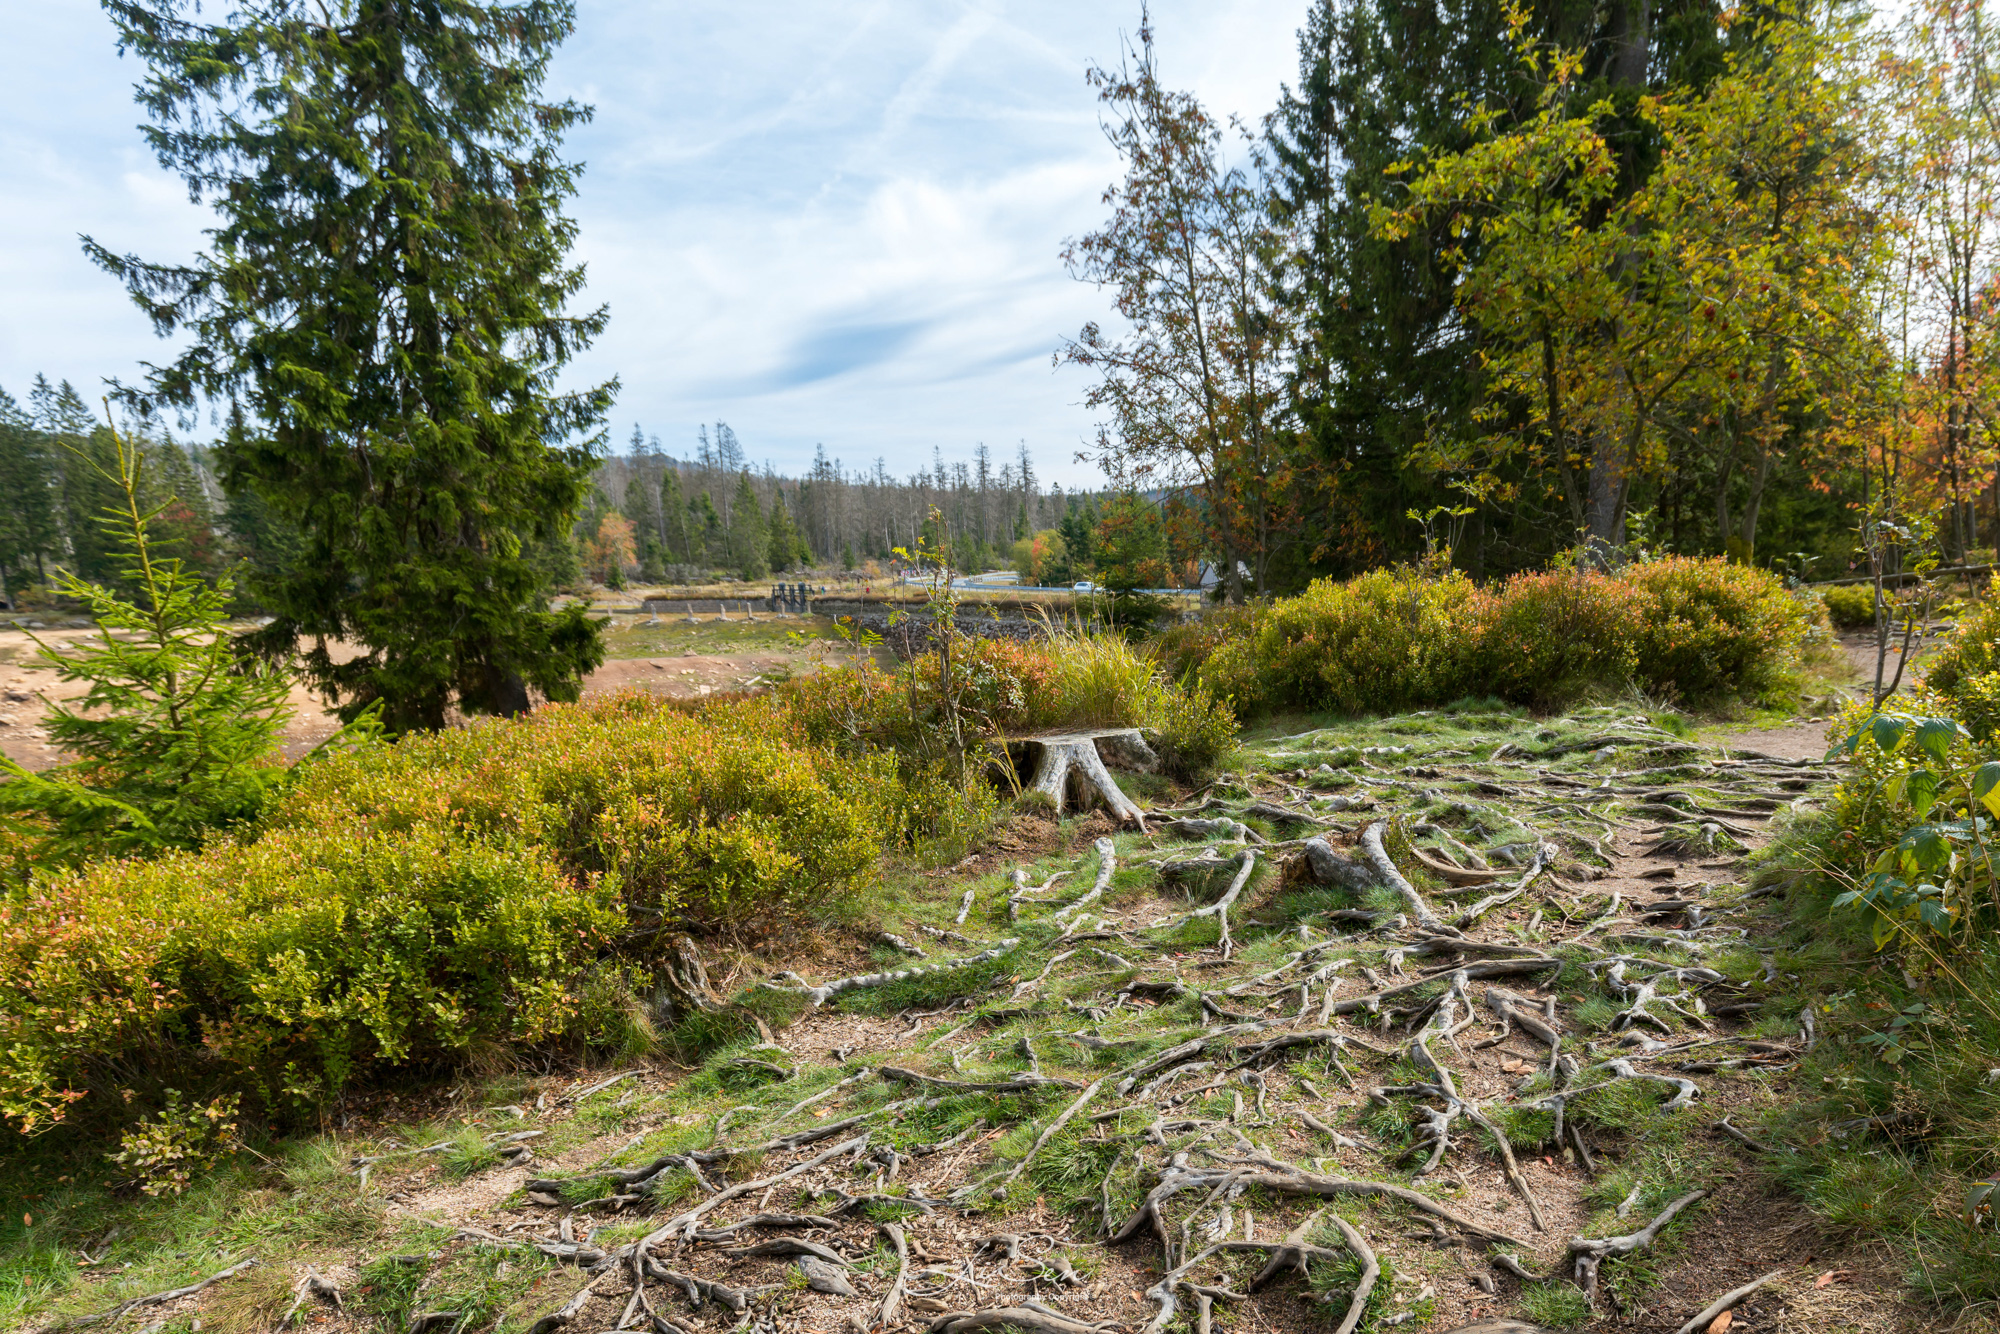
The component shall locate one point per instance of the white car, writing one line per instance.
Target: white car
(1083, 586)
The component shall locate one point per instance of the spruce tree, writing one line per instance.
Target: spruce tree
(674, 514)
(385, 293)
(784, 540)
(749, 538)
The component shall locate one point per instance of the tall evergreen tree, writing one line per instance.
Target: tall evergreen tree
(784, 540)
(749, 536)
(385, 293)
(674, 514)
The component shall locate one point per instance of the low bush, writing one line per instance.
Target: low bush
(1195, 731)
(434, 901)
(286, 967)
(715, 820)
(1551, 637)
(1964, 674)
(996, 687)
(1708, 628)
(1850, 606)
(1384, 641)
(1389, 640)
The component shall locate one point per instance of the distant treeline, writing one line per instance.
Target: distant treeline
(55, 457)
(651, 515)
(711, 509)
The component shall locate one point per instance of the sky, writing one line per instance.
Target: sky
(829, 222)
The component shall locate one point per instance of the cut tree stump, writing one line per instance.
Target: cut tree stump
(1070, 768)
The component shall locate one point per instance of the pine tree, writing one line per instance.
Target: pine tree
(710, 537)
(749, 537)
(784, 540)
(86, 456)
(174, 737)
(384, 292)
(674, 515)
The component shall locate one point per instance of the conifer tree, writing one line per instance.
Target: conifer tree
(749, 538)
(784, 540)
(674, 514)
(385, 293)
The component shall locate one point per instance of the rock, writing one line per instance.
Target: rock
(823, 1277)
(544, 1199)
(1330, 866)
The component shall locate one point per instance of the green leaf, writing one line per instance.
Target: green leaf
(1935, 736)
(1887, 733)
(1986, 786)
(1921, 790)
(1935, 916)
(1927, 848)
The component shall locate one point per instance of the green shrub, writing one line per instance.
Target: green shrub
(1196, 730)
(285, 968)
(1550, 637)
(1850, 606)
(1415, 637)
(1001, 687)
(713, 820)
(1965, 672)
(1183, 649)
(1385, 641)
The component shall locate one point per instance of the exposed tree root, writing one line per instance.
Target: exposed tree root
(820, 995)
(1219, 910)
(1378, 856)
(1586, 1253)
(157, 1298)
(1727, 1301)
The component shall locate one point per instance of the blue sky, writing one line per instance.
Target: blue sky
(832, 222)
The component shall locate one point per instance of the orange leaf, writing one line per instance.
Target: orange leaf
(1721, 1322)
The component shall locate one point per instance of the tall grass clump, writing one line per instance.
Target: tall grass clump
(1097, 681)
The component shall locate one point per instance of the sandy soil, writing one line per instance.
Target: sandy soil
(745, 657)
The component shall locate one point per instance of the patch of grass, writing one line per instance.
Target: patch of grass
(1557, 1304)
(1595, 1014)
(469, 1154)
(1338, 1279)
(1624, 1105)
(1070, 1169)
(931, 989)
(1524, 1127)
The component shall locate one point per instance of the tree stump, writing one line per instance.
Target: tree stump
(1070, 768)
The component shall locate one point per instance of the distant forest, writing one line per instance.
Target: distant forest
(712, 510)
(651, 516)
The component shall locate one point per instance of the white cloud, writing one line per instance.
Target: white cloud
(828, 222)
